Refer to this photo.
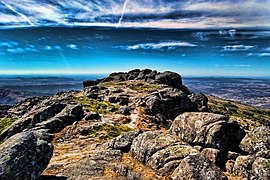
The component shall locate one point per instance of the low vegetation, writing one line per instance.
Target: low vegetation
(101, 107)
(134, 85)
(108, 131)
(249, 117)
(6, 122)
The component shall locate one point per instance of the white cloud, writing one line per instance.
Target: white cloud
(238, 48)
(170, 45)
(138, 13)
(72, 46)
(259, 54)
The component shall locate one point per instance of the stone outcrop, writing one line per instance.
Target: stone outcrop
(24, 156)
(196, 166)
(124, 141)
(169, 102)
(142, 124)
(207, 130)
(257, 140)
(252, 167)
(160, 151)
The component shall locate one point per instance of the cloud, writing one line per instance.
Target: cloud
(238, 48)
(233, 65)
(8, 44)
(55, 47)
(170, 45)
(259, 54)
(72, 46)
(136, 13)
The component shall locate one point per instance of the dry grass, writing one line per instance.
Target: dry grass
(146, 172)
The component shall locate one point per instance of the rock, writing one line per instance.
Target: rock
(88, 83)
(92, 166)
(261, 168)
(196, 166)
(24, 156)
(169, 78)
(71, 114)
(92, 116)
(83, 131)
(252, 167)
(232, 155)
(215, 156)
(243, 165)
(124, 141)
(125, 110)
(169, 102)
(160, 151)
(207, 130)
(122, 100)
(257, 140)
(201, 100)
(229, 166)
(54, 125)
(31, 119)
(143, 74)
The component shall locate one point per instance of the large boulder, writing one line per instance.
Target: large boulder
(252, 167)
(160, 151)
(24, 156)
(169, 78)
(201, 100)
(169, 102)
(196, 166)
(257, 140)
(124, 141)
(207, 130)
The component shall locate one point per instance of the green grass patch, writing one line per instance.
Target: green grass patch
(101, 107)
(108, 131)
(249, 117)
(138, 86)
(6, 122)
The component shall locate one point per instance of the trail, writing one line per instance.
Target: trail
(19, 13)
(122, 14)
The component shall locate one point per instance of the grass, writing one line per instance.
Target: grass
(108, 131)
(6, 122)
(101, 107)
(137, 86)
(248, 116)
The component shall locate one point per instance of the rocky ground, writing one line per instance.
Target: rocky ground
(141, 124)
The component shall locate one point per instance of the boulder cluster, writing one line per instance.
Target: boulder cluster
(172, 134)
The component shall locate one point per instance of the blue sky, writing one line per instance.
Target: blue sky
(229, 37)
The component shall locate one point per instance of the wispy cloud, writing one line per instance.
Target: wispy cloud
(238, 47)
(19, 13)
(136, 13)
(232, 65)
(264, 54)
(170, 45)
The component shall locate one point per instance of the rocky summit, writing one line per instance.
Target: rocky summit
(140, 124)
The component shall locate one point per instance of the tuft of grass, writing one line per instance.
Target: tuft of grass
(108, 131)
(137, 86)
(100, 107)
(6, 122)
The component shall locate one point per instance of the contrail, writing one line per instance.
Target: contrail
(122, 15)
(20, 14)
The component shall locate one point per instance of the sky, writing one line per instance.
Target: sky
(191, 37)
(136, 13)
